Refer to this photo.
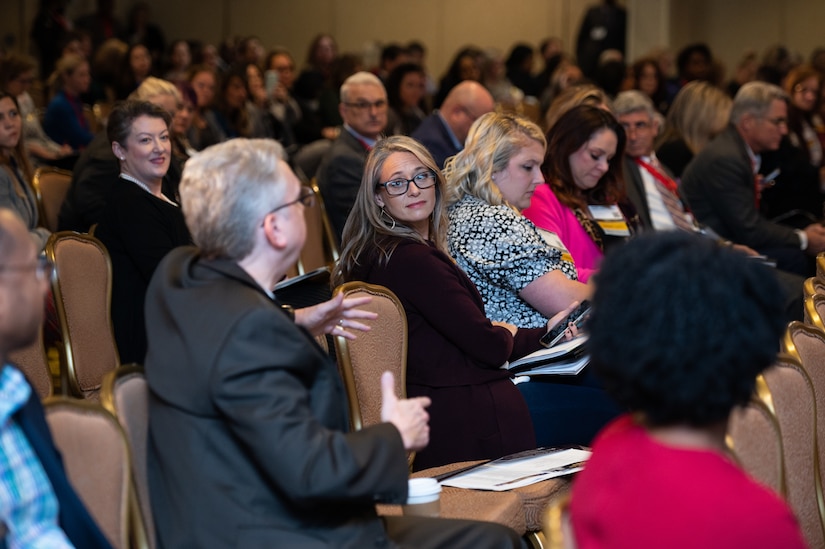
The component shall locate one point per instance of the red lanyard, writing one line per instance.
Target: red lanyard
(659, 176)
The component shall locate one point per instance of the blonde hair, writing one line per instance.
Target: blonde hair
(152, 87)
(65, 66)
(699, 112)
(493, 140)
(369, 228)
(580, 94)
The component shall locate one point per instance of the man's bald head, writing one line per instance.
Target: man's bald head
(464, 105)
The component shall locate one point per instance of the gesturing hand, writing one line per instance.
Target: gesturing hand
(408, 415)
(336, 316)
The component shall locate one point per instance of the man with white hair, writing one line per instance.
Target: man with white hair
(363, 108)
(248, 431)
(723, 186)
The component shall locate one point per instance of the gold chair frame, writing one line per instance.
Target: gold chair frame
(46, 218)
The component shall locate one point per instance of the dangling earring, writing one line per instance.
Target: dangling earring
(384, 213)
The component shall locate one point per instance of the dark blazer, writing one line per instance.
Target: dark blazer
(434, 135)
(138, 229)
(248, 443)
(635, 188)
(73, 517)
(339, 178)
(92, 178)
(454, 356)
(719, 186)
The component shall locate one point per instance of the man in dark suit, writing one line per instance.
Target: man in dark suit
(444, 131)
(723, 189)
(38, 507)
(363, 108)
(248, 431)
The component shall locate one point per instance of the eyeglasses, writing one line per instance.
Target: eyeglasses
(366, 105)
(307, 198)
(779, 121)
(43, 269)
(397, 187)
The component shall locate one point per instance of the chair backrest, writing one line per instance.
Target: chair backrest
(126, 395)
(83, 292)
(363, 360)
(788, 392)
(754, 439)
(558, 531)
(820, 266)
(50, 188)
(32, 361)
(813, 286)
(320, 248)
(815, 311)
(96, 457)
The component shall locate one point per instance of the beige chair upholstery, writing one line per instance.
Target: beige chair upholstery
(820, 266)
(32, 361)
(83, 291)
(815, 311)
(363, 360)
(320, 248)
(50, 188)
(96, 457)
(125, 394)
(788, 392)
(558, 531)
(813, 286)
(754, 439)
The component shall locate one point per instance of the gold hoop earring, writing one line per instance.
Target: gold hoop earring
(384, 213)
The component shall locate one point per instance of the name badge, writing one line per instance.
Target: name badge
(610, 219)
(553, 240)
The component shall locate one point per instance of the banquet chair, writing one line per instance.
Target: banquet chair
(558, 532)
(815, 311)
(125, 395)
(50, 188)
(320, 248)
(82, 292)
(96, 457)
(32, 361)
(820, 266)
(788, 392)
(813, 286)
(806, 344)
(754, 440)
(363, 360)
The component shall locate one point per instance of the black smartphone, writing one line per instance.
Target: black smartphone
(577, 317)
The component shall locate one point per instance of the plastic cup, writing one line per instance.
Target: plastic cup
(423, 499)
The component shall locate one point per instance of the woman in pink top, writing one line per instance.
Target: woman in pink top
(583, 202)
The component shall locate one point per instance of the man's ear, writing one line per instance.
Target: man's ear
(273, 230)
(118, 150)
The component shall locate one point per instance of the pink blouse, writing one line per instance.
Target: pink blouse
(547, 213)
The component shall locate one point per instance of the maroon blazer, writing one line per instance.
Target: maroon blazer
(454, 357)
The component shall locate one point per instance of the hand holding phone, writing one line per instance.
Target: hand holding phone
(577, 318)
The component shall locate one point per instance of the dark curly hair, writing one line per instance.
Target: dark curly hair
(681, 326)
(572, 130)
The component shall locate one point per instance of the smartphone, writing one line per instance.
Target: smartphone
(270, 82)
(577, 317)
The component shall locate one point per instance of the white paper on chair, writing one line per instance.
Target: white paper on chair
(508, 473)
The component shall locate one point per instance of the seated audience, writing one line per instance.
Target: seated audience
(723, 190)
(204, 130)
(680, 384)
(283, 105)
(16, 193)
(98, 167)
(64, 121)
(253, 450)
(583, 202)
(406, 87)
(396, 237)
(466, 65)
(522, 280)
(139, 224)
(16, 77)
(648, 79)
(135, 67)
(364, 110)
(444, 131)
(38, 506)
(231, 117)
(579, 94)
(180, 58)
(699, 113)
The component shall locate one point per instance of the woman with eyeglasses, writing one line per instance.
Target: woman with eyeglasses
(16, 172)
(139, 223)
(396, 237)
